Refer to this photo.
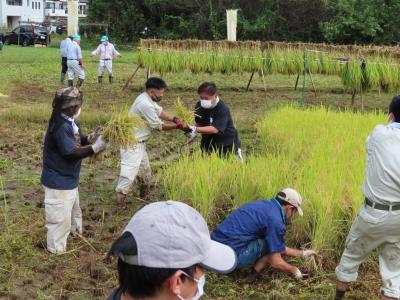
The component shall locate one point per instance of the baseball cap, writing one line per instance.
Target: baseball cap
(70, 96)
(76, 37)
(104, 38)
(291, 196)
(173, 235)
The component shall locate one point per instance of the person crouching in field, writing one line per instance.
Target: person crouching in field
(214, 122)
(107, 52)
(64, 148)
(163, 254)
(135, 160)
(377, 225)
(256, 232)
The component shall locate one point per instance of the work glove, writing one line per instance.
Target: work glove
(240, 157)
(178, 122)
(92, 137)
(99, 145)
(299, 276)
(191, 135)
(308, 253)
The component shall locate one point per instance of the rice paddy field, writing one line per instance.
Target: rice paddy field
(317, 148)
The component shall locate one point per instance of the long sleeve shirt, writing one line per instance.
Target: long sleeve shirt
(74, 51)
(382, 180)
(106, 51)
(64, 47)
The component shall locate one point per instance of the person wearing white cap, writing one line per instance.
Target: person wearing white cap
(75, 61)
(163, 254)
(107, 52)
(256, 232)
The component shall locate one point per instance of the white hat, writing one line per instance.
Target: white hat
(171, 234)
(291, 196)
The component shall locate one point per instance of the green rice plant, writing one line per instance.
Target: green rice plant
(323, 158)
(183, 113)
(120, 128)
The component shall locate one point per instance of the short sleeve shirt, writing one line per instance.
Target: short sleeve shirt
(261, 219)
(219, 117)
(59, 172)
(150, 112)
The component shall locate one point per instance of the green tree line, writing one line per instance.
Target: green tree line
(339, 21)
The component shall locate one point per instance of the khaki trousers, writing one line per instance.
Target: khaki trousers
(63, 216)
(134, 162)
(374, 229)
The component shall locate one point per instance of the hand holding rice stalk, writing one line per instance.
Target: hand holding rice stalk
(120, 128)
(183, 113)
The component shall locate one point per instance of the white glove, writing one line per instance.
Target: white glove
(99, 145)
(192, 134)
(298, 275)
(239, 154)
(308, 253)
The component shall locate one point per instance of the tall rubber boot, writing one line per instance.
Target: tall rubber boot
(144, 192)
(62, 78)
(110, 79)
(70, 83)
(79, 83)
(100, 79)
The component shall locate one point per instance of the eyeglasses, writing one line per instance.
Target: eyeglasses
(190, 277)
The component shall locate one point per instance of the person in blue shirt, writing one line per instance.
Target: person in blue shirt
(64, 147)
(256, 232)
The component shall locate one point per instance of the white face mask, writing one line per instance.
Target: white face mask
(200, 287)
(206, 104)
(77, 114)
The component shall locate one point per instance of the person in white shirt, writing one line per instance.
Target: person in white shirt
(107, 52)
(134, 160)
(75, 62)
(64, 53)
(377, 225)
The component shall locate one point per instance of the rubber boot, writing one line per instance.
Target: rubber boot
(110, 79)
(121, 199)
(79, 83)
(62, 78)
(100, 79)
(144, 192)
(70, 83)
(339, 295)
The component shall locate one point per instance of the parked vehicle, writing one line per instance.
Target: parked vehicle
(26, 35)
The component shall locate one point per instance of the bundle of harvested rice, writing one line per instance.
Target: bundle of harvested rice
(120, 128)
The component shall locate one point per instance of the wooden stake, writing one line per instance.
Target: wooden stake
(353, 97)
(362, 100)
(251, 78)
(130, 78)
(297, 81)
(312, 82)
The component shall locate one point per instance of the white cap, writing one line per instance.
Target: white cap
(291, 196)
(171, 234)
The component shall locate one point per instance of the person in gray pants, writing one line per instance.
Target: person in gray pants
(377, 225)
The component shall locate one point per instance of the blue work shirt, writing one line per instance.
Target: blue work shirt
(261, 219)
(64, 47)
(74, 51)
(59, 172)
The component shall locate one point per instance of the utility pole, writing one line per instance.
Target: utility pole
(73, 17)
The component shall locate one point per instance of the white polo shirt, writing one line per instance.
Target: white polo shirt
(150, 112)
(382, 180)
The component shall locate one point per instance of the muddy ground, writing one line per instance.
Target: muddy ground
(28, 78)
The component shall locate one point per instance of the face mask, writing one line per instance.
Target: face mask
(105, 43)
(156, 98)
(206, 104)
(77, 114)
(200, 287)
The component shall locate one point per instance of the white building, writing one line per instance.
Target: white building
(12, 12)
(58, 9)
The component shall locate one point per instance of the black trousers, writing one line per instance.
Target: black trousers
(64, 66)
